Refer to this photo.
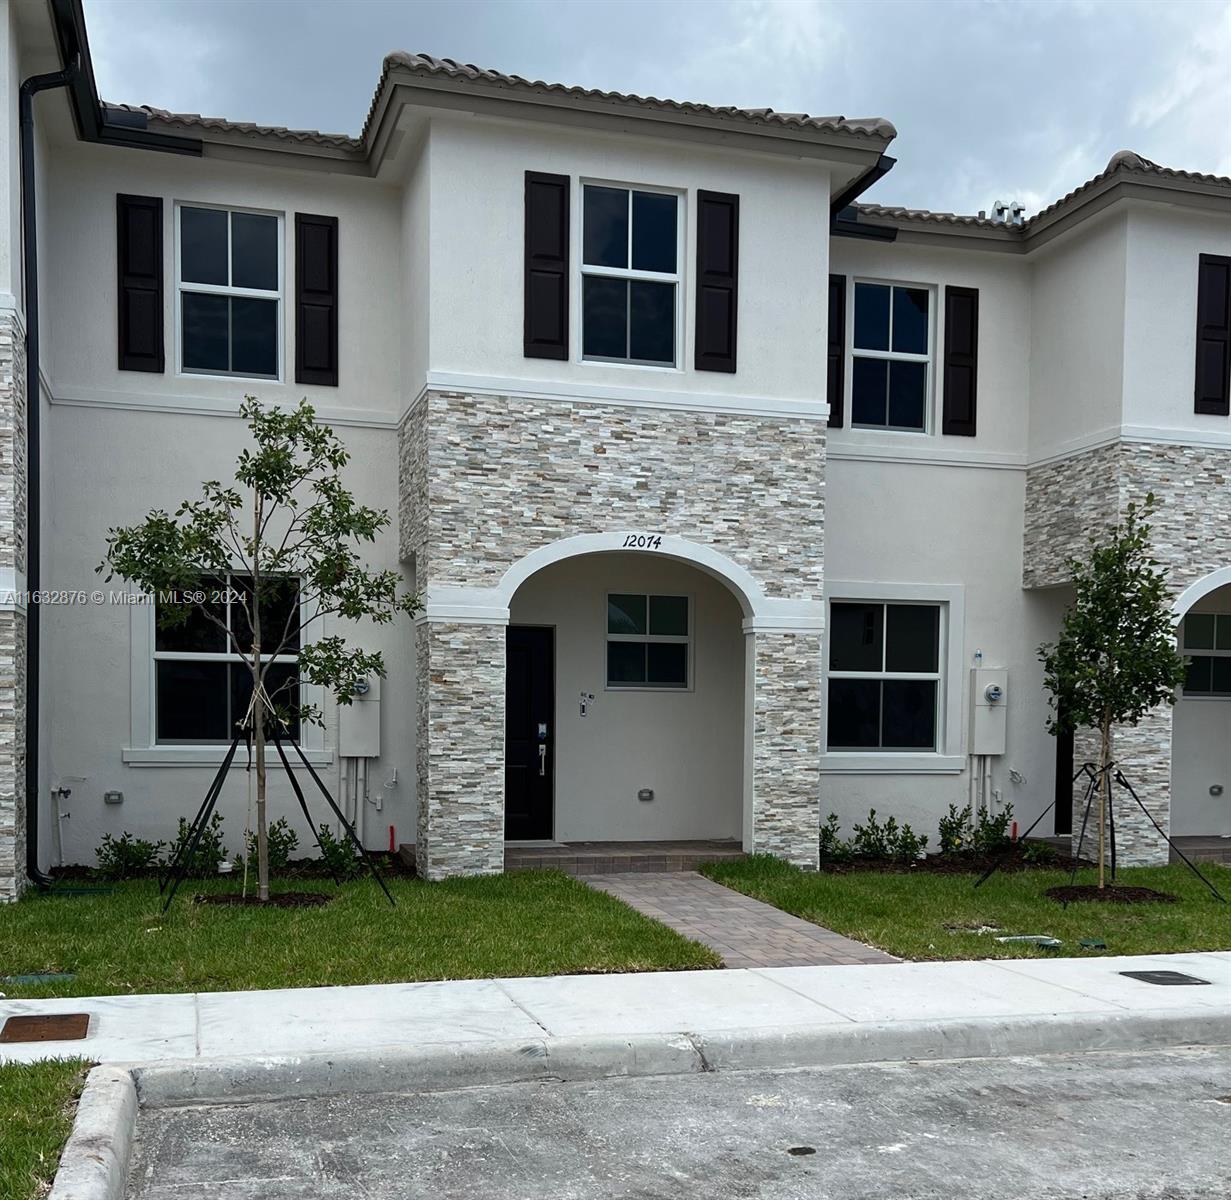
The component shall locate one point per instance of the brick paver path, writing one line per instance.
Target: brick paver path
(746, 932)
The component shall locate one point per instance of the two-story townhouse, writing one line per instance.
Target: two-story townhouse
(728, 497)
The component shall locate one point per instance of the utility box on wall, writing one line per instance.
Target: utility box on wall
(359, 722)
(989, 700)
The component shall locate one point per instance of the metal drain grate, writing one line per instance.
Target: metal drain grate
(1165, 978)
(56, 1027)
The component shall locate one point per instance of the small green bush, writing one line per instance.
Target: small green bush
(282, 843)
(992, 833)
(126, 857)
(338, 854)
(210, 850)
(956, 831)
(888, 841)
(832, 847)
(1039, 854)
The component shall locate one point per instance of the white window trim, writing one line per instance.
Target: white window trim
(929, 384)
(144, 750)
(577, 237)
(641, 638)
(1197, 652)
(218, 289)
(949, 758)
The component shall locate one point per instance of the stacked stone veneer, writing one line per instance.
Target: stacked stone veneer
(1069, 501)
(485, 480)
(12, 615)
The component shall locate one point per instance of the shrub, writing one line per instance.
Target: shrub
(956, 831)
(992, 833)
(832, 847)
(338, 854)
(209, 852)
(281, 841)
(1039, 854)
(890, 842)
(126, 856)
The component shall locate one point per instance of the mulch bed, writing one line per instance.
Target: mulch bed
(954, 864)
(1112, 893)
(277, 900)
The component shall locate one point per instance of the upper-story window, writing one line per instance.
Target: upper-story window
(891, 357)
(230, 292)
(630, 275)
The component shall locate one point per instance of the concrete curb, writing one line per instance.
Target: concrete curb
(94, 1165)
(457, 1065)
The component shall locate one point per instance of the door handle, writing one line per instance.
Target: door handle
(542, 759)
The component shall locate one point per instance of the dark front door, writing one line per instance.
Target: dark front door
(530, 714)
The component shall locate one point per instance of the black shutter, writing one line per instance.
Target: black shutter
(1213, 377)
(961, 361)
(835, 385)
(545, 332)
(316, 299)
(138, 227)
(717, 281)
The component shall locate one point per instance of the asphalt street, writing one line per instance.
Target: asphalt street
(1145, 1126)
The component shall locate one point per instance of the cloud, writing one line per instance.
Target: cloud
(993, 99)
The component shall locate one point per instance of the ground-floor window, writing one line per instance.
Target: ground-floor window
(648, 641)
(202, 686)
(1206, 643)
(884, 676)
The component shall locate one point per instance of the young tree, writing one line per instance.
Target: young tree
(1116, 657)
(290, 519)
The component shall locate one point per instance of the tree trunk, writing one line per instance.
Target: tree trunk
(1104, 795)
(258, 709)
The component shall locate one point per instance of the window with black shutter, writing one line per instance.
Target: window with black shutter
(1213, 372)
(139, 283)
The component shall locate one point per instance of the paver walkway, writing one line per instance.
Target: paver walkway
(746, 932)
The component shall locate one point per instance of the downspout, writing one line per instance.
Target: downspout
(29, 237)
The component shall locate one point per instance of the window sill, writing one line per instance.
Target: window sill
(212, 756)
(892, 764)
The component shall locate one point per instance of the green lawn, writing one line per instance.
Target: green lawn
(528, 923)
(910, 915)
(36, 1113)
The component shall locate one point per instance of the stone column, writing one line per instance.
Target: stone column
(786, 746)
(460, 748)
(1143, 753)
(12, 613)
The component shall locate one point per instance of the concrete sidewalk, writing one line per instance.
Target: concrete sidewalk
(833, 1002)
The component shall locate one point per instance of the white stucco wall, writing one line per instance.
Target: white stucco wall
(926, 525)
(1160, 320)
(101, 472)
(81, 344)
(686, 745)
(1004, 349)
(477, 229)
(1077, 338)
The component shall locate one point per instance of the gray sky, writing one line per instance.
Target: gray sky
(993, 99)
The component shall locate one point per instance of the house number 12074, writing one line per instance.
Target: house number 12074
(642, 541)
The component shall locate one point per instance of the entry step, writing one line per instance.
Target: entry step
(609, 858)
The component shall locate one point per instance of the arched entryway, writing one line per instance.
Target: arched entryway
(1201, 719)
(720, 723)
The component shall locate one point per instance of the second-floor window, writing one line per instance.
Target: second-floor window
(891, 357)
(230, 292)
(629, 275)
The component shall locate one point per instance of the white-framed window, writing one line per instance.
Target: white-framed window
(229, 284)
(630, 275)
(1206, 643)
(649, 641)
(885, 691)
(891, 343)
(202, 685)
